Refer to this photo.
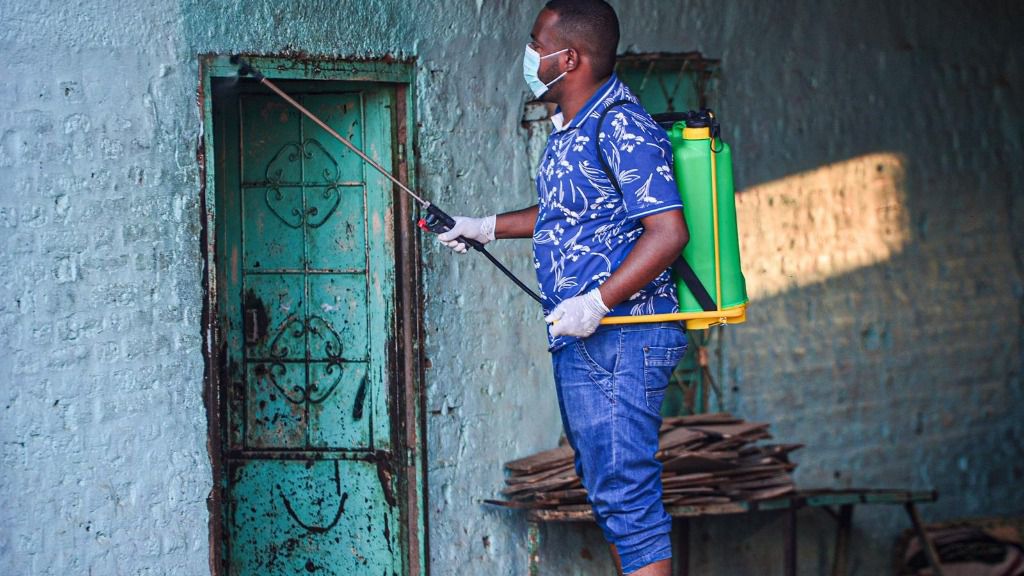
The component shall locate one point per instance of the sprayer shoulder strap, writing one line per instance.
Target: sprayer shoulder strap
(681, 267)
(600, 153)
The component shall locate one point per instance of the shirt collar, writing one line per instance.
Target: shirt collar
(595, 100)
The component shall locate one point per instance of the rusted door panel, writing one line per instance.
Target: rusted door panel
(316, 516)
(335, 244)
(307, 247)
(275, 415)
(273, 316)
(339, 414)
(272, 233)
(339, 317)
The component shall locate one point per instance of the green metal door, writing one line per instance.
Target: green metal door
(307, 302)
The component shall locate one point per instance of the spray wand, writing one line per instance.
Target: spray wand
(436, 220)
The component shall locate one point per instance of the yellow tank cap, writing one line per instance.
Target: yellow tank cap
(696, 133)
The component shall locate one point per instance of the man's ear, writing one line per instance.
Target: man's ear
(572, 59)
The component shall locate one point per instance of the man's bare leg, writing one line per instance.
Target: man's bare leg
(659, 568)
(618, 561)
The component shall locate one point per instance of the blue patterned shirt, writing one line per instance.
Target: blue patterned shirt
(585, 227)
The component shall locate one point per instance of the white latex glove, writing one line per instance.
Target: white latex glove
(479, 229)
(577, 316)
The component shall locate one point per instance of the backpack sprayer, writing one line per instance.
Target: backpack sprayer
(435, 221)
(702, 163)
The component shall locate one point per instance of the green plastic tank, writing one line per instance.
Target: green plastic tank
(709, 205)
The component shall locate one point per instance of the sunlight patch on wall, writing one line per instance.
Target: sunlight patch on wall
(815, 225)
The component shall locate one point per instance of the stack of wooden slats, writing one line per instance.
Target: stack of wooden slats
(706, 459)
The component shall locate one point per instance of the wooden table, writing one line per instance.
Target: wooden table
(837, 503)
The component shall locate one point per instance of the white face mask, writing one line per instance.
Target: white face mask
(531, 67)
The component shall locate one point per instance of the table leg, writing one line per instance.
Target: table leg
(926, 543)
(790, 543)
(841, 559)
(533, 544)
(681, 550)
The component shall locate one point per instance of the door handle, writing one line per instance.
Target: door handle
(253, 332)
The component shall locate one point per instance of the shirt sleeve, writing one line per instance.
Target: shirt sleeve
(640, 158)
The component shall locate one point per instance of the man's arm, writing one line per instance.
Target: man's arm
(663, 239)
(518, 224)
(664, 236)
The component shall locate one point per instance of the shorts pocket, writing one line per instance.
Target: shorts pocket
(600, 351)
(663, 356)
(600, 354)
(659, 361)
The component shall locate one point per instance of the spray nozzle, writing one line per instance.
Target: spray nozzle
(244, 68)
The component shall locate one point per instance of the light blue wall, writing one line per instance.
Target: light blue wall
(105, 468)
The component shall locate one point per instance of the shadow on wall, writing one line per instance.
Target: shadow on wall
(811, 226)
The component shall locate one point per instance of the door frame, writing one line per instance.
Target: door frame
(405, 372)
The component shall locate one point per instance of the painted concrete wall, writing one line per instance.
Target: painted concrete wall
(897, 359)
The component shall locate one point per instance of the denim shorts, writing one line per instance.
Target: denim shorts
(610, 387)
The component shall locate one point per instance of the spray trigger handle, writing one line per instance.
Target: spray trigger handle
(437, 221)
(432, 224)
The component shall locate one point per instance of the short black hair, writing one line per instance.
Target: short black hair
(593, 27)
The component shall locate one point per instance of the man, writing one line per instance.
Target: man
(602, 247)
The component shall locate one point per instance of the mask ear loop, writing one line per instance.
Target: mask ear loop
(548, 85)
(553, 53)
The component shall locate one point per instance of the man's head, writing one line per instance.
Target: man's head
(588, 31)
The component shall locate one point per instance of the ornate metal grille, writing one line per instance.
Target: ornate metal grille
(667, 82)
